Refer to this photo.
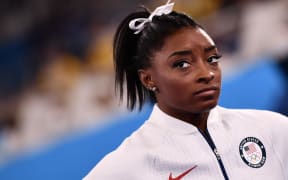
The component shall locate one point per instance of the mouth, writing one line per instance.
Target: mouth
(208, 91)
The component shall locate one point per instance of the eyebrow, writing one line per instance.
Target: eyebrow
(189, 52)
(181, 53)
(210, 48)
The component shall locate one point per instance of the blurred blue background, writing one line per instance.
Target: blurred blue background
(58, 112)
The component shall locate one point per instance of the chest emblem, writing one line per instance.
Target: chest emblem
(182, 175)
(252, 152)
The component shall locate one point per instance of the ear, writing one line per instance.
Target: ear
(146, 78)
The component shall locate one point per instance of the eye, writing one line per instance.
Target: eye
(181, 64)
(214, 58)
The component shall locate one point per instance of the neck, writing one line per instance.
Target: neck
(197, 119)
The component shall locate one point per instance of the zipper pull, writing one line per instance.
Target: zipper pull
(217, 154)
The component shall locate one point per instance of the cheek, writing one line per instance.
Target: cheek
(218, 75)
(173, 87)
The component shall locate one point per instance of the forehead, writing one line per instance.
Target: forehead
(187, 38)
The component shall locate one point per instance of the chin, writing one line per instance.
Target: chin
(207, 106)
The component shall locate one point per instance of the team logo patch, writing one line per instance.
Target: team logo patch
(252, 152)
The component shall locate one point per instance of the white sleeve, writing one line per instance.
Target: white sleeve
(120, 165)
(107, 169)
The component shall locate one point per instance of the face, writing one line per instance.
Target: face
(186, 73)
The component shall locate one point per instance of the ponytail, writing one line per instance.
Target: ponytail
(125, 61)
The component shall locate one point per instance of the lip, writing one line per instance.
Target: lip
(208, 91)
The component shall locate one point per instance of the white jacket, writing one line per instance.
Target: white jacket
(251, 145)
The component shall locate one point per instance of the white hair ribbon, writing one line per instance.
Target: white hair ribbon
(164, 9)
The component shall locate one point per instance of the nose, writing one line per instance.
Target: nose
(205, 74)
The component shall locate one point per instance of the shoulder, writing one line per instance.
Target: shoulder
(115, 164)
(255, 118)
(130, 155)
(253, 114)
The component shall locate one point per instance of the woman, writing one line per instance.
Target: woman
(168, 58)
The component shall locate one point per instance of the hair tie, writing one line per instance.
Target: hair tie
(164, 9)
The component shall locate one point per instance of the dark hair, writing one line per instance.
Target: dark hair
(134, 51)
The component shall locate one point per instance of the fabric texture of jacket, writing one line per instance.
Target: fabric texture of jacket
(241, 145)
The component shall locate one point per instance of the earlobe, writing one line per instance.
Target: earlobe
(145, 77)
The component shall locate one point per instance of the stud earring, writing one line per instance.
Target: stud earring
(153, 89)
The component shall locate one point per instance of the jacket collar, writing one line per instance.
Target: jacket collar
(165, 121)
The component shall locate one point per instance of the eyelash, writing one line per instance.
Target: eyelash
(179, 64)
(214, 58)
(211, 59)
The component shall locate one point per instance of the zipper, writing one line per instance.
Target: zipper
(209, 140)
